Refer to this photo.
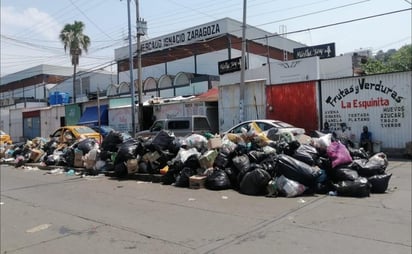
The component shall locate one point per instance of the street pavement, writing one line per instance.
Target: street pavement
(43, 211)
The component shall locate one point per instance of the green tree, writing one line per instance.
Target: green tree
(390, 61)
(76, 42)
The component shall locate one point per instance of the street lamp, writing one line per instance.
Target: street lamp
(242, 67)
(141, 27)
(133, 106)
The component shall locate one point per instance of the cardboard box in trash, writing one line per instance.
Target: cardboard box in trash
(78, 158)
(197, 182)
(36, 154)
(214, 143)
(132, 166)
(151, 156)
(207, 159)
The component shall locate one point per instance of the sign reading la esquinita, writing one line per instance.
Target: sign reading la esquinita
(381, 102)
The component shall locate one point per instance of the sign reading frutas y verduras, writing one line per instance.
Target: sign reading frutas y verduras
(382, 102)
(322, 51)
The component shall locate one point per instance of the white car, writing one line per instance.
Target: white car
(265, 125)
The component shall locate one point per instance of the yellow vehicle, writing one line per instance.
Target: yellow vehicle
(5, 138)
(70, 134)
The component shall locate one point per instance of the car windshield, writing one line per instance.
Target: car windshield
(84, 130)
(282, 124)
(106, 128)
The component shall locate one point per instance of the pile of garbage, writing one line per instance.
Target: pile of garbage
(272, 163)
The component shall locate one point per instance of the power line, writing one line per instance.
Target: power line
(336, 24)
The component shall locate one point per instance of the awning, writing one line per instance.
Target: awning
(208, 96)
(90, 116)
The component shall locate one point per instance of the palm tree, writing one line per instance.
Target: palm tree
(73, 39)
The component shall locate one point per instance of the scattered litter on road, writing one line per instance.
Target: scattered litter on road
(28, 168)
(56, 171)
(38, 228)
(301, 201)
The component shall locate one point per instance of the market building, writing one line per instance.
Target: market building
(197, 71)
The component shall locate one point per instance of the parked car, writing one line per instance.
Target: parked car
(104, 130)
(69, 134)
(265, 125)
(5, 138)
(179, 126)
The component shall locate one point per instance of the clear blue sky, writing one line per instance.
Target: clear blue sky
(30, 29)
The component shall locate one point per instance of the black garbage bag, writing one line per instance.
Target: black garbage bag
(241, 162)
(85, 145)
(233, 173)
(162, 141)
(269, 164)
(257, 156)
(112, 141)
(127, 150)
(120, 170)
(324, 187)
(218, 180)
(375, 165)
(343, 173)
(182, 180)
(379, 183)
(297, 170)
(307, 154)
(358, 153)
(222, 160)
(68, 156)
(174, 169)
(358, 188)
(254, 182)
(192, 162)
(50, 146)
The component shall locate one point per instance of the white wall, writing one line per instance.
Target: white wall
(50, 119)
(16, 124)
(336, 67)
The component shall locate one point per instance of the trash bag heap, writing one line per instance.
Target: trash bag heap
(272, 163)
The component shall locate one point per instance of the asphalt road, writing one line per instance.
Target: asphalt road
(56, 213)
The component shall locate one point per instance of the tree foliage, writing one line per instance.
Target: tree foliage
(75, 40)
(390, 61)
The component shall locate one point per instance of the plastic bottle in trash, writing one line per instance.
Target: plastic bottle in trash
(333, 193)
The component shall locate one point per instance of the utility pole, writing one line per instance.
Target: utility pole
(242, 67)
(133, 104)
(141, 27)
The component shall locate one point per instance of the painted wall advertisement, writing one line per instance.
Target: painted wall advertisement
(381, 102)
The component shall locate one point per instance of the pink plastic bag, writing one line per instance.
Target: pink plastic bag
(338, 154)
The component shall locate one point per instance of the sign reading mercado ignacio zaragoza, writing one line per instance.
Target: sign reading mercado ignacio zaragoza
(190, 35)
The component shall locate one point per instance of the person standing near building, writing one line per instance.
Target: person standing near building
(345, 135)
(366, 139)
(326, 129)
